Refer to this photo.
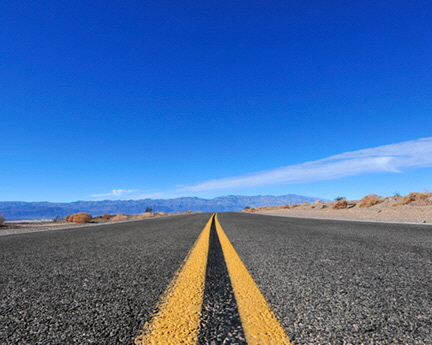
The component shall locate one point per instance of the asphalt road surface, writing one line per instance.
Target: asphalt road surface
(328, 282)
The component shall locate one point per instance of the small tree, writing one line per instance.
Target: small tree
(57, 219)
(2, 220)
(339, 198)
(149, 209)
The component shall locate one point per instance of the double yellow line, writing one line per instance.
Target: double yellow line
(177, 318)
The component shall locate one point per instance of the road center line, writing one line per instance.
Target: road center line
(178, 317)
(220, 318)
(259, 322)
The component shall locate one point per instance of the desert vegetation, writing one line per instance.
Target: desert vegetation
(414, 207)
(83, 217)
(80, 217)
(119, 217)
(414, 197)
(370, 200)
(72, 220)
(340, 204)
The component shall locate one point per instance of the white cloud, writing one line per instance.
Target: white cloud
(116, 193)
(388, 158)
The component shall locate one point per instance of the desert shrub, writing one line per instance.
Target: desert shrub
(2, 220)
(144, 215)
(414, 196)
(119, 217)
(340, 204)
(370, 200)
(80, 217)
(106, 216)
(339, 198)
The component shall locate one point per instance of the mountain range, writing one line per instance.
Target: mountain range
(18, 210)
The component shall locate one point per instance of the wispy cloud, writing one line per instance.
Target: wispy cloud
(388, 158)
(116, 193)
(392, 158)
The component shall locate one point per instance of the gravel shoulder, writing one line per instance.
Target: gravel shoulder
(404, 214)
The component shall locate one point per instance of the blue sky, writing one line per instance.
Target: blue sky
(132, 99)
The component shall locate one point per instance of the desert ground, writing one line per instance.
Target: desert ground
(73, 221)
(412, 208)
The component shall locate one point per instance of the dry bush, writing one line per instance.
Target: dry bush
(144, 215)
(162, 214)
(106, 216)
(80, 217)
(188, 211)
(339, 205)
(119, 217)
(414, 196)
(370, 200)
(2, 220)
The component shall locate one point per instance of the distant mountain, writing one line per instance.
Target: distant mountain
(18, 210)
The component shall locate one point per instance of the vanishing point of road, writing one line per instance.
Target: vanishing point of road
(229, 278)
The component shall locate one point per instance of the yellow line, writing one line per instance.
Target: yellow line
(178, 318)
(259, 322)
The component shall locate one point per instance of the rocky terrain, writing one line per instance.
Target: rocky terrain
(412, 208)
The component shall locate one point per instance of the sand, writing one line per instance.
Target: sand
(389, 209)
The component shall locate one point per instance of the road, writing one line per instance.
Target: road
(327, 282)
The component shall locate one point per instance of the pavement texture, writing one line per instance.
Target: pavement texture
(220, 319)
(328, 282)
(94, 285)
(339, 282)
